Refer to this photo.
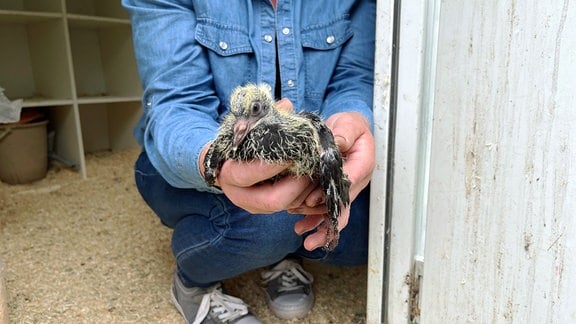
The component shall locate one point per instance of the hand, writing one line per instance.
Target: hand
(246, 185)
(356, 142)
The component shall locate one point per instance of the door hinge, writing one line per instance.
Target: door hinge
(414, 281)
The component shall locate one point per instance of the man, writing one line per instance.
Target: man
(318, 56)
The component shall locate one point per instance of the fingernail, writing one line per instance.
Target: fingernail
(299, 232)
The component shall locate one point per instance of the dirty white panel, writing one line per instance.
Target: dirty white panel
(382, 74)
(501, 223)
(414, 102)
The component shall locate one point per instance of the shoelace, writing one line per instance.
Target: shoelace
(226, 307)
(292, 276)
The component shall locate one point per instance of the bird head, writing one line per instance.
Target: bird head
(249, 105)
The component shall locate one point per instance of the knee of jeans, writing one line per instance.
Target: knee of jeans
(259, 240)
(225, 258)
(275, 248)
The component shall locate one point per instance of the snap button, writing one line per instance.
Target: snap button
(285, 30)
(268, 38)
(223, 45)
(148, 104)
(330, 39)
(290, 83)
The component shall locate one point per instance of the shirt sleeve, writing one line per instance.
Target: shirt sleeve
(180, 104)
(351, 86)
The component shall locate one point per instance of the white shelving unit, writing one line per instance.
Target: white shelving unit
(74, 60)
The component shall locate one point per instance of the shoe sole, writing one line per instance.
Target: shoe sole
(291, 313)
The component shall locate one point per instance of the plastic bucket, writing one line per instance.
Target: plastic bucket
(23, 152)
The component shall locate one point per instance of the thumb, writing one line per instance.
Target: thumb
(342, 143)
(344, 135)
(346, 128)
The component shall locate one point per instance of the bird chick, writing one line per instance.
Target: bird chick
(255, 129)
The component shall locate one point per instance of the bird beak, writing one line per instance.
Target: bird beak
(241, 128)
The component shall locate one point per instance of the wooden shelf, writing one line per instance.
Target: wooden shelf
(45, 102)
(23, 17)
(83, 21)
(75, 60)
(107, 99)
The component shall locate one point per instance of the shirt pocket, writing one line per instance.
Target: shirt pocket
(230, 53)
(321, 46)
(225, 40)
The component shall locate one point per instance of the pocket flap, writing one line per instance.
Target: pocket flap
(223, 40)
(327, 36)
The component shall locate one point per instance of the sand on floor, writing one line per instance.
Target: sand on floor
(90, 251)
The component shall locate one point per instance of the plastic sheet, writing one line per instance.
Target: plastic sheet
(9, 110)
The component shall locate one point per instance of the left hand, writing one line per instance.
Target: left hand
(354, 138)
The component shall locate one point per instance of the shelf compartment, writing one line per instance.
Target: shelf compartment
(104, 63)
(32, 5)
(34, 60)
(99, 8)
(73, 60)
(63, 121)
(109, 126)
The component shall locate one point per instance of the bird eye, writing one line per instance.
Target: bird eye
(257, 108)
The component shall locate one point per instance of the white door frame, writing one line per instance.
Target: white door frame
(406, 42)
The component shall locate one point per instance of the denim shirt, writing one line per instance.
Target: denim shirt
(191, 54)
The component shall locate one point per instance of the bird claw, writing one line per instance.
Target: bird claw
(332, 234)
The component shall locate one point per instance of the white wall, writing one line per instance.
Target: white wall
(501, 216)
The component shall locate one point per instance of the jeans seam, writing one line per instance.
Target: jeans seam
(217, 238)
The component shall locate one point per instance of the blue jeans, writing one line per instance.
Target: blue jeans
(214, 240)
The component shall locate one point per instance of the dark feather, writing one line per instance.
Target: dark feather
(256, 129)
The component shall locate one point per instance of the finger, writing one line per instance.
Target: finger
(267, 197)
(305, 210)
(312, 203)
(344, 135)
(316, 240)
(343, 218)
(299, 201)
(347, 127)
(360, 164)
(246, 174)
(308, 223)
(320, 237)
(315, 198)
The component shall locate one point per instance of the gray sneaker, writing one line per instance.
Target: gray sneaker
(289, 290)
(209, 305)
